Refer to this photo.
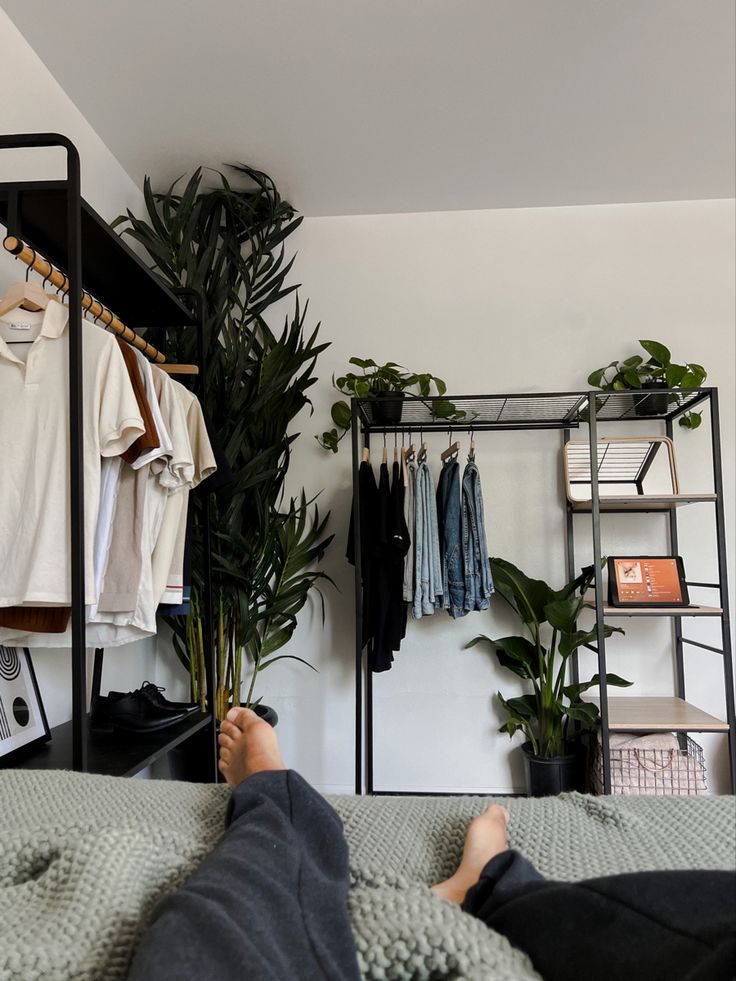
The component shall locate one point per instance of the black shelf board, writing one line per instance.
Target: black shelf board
(111, 271)
(548, 410)
(119, 754)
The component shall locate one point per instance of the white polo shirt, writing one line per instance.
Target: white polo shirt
(34, 449)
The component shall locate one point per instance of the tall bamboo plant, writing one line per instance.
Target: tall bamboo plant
(227, 243)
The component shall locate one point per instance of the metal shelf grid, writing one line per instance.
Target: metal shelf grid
(532, 410)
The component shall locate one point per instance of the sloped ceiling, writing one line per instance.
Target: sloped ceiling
(372, 106)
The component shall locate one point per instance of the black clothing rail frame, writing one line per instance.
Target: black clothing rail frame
(521, 412)
(59, 237)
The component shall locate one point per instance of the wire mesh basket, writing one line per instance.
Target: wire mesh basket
(652, 764)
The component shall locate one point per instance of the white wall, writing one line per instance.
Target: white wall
(501, 301)
(40, 105)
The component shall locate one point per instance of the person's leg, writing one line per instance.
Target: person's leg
(644, 926)
(270, 902)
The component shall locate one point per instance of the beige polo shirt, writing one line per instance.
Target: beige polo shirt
(168, 556)
(34, 449)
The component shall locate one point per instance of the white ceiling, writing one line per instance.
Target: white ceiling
(372, 106)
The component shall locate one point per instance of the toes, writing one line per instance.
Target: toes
(225, 755)
(240, 717)
(229, 730)
(497, 812)
(224, 739)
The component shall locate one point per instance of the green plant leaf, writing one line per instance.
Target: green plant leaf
(341, 415)
(363, 362)
(674, 375)
(573, 692)
(658, 352)
(524, 707)
(691, 420)
(518, 655)
(527, 596)
(583, 712)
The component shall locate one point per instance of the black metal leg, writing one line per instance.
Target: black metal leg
(600, 636)
(358, 603)
(76, 450)
(677, 621)
(715, 424)
(570, 555)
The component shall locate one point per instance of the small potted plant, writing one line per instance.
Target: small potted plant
(657, 375)
(550, 617)
(387, 384)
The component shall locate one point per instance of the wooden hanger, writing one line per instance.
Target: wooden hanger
(384, 455)
(410, 453)
(422, 454)
(366, 455)
(179, 369)
(451, 451)
(28, 296)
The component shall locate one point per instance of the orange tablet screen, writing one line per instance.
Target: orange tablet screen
(648, 581)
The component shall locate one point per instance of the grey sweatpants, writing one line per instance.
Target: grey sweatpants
(269, 903)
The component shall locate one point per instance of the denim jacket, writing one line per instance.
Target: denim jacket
(452, 536)
(427, 566)
(478, 582)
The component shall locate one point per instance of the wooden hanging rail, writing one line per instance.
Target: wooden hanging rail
(57, 278)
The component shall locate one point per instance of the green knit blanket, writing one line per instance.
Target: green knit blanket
(83, 859)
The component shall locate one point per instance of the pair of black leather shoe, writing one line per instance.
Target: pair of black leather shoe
(142, 710)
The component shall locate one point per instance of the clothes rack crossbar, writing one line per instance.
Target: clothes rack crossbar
(99, 312)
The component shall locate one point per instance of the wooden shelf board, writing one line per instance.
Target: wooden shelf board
(644, 502)
(120, 754)
(657, 611)
(645, 714)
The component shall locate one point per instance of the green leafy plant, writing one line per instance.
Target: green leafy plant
(542, 658)
(374, 381)
(227, 243)
(636, 372)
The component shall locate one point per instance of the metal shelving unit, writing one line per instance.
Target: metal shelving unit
(565, 412)
(53, 218)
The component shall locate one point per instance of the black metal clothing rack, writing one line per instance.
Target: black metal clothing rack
(562, 411)
(53, 218)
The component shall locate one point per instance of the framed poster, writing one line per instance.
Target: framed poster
(22, 717)
(647, 580)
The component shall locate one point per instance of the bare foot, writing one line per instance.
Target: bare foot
(248, 745)
(486, 836)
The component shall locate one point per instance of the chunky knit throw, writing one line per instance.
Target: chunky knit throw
(83, 859)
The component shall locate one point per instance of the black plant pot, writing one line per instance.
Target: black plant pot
(192, 759)
(546, 777)
(655, 402)
(387, 407)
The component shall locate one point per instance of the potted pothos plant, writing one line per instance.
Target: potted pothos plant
(387, 384)
(542, 658)
(654, 377)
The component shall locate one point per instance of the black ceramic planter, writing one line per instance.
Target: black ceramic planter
(191, 760)
(546, 777)
(387, 407)
(655, 402)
